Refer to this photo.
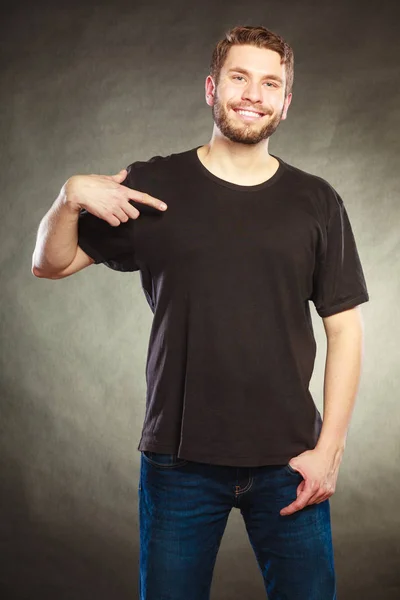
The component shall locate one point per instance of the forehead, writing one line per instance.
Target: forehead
(260, 61)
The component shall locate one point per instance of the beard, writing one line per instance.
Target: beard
(243, 133)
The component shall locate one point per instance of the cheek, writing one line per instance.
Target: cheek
(228, 103)
(230, 94)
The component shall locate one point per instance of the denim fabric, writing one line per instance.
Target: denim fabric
(183, 511)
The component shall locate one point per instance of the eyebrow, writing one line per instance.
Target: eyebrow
(245, 72)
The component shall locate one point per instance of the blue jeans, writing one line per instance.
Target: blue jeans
(183, 511)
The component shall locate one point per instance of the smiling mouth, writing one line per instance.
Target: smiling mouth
(248, 114)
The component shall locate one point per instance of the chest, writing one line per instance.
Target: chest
(209, 231)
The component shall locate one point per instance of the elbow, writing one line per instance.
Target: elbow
(34, 269)
(41, 274)
(38, 273)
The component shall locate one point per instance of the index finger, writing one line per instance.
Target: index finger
(145, 198)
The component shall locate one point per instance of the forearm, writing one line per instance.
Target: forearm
(57, 237)
(342, 377)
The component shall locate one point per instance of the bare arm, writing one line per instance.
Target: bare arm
(57, 247)
(345, 334)
(57, 253)
(320, 467)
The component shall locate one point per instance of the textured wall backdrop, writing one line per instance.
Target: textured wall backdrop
(90, 87)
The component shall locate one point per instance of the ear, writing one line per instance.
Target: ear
(209, 90)
(286, 106)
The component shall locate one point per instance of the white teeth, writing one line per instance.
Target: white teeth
(248, 113)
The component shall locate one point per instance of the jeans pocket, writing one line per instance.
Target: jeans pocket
(292, 470)
(163, 461)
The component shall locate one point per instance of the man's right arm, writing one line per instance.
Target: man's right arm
(57, 253)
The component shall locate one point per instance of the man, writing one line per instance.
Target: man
(229, 269)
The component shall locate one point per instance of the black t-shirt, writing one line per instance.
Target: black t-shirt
(228, 271)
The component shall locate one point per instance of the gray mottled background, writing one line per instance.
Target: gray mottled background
(90, 87)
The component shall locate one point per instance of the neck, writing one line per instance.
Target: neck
(245, 164)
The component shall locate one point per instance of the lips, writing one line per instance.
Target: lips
(250, 110)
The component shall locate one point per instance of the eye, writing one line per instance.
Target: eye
(269, 83)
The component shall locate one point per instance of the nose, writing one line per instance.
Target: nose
(252, 92)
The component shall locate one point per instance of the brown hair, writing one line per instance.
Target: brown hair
(254, 36)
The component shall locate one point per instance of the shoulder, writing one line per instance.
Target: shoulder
(158, 174)
(317, 190)
(157, 165)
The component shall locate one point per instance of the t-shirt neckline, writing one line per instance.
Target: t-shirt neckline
(235, 186)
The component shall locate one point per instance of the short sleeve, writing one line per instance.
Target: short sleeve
(112, 246)
(338, 280)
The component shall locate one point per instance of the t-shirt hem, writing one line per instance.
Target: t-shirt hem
(90, 251)
(327, 312)
(242, 461)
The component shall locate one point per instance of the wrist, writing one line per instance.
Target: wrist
(331, 448)
(68, 196)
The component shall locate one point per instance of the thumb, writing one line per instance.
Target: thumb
(120, 176)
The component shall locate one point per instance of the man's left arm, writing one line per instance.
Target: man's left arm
(345, 333)
(320, 466)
